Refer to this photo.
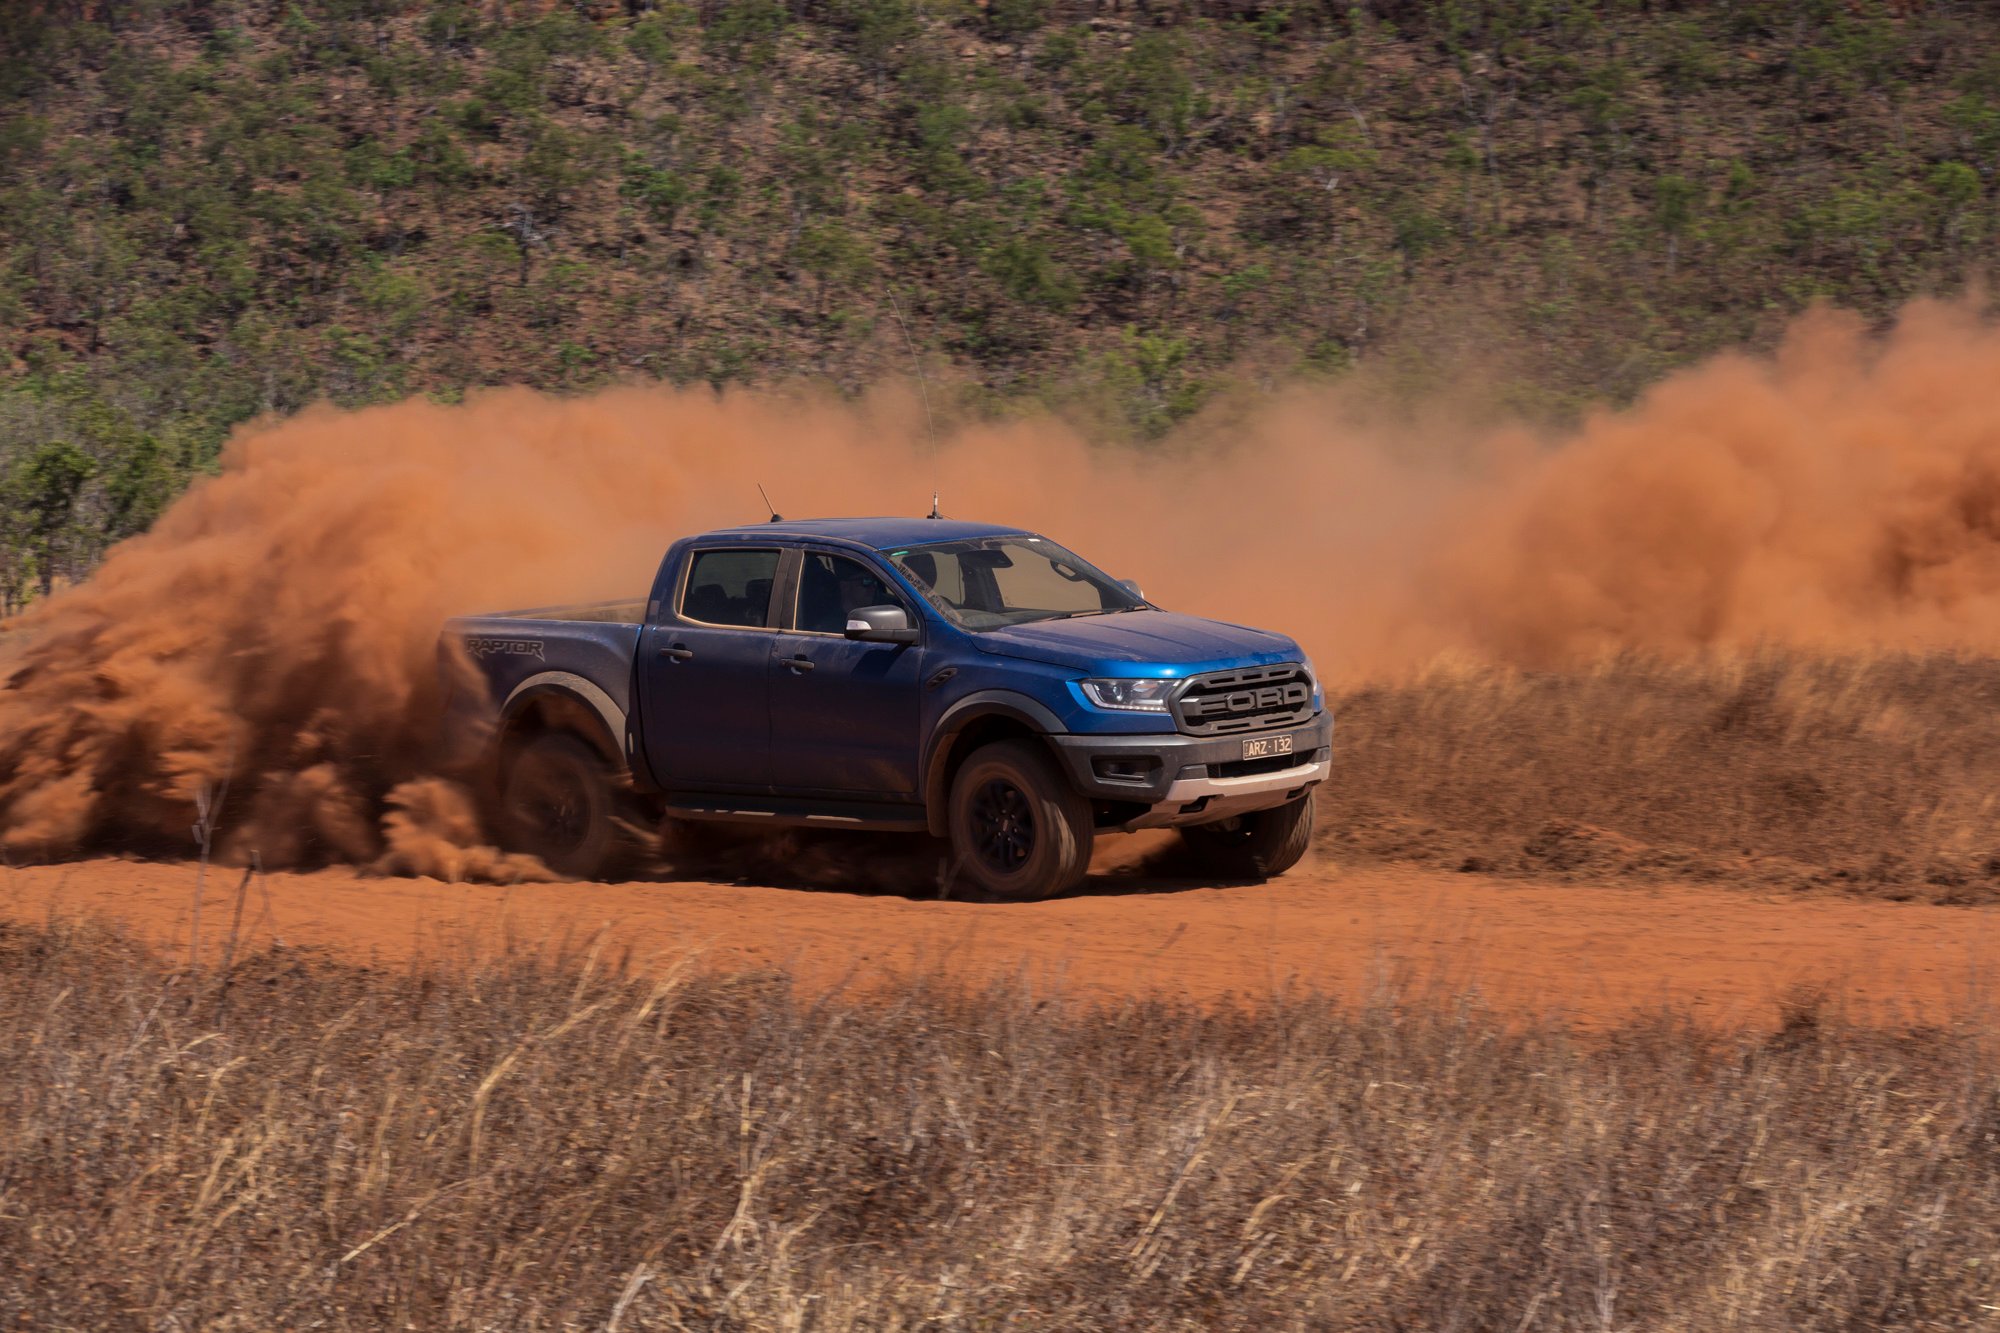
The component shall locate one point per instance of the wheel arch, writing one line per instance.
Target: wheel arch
(561, 701)
(978, 720)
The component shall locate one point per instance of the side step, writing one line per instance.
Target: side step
(782, 813)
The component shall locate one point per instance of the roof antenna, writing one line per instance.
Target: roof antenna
(930, 422)
(775, 517)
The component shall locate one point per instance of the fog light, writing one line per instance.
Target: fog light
(1125, 768)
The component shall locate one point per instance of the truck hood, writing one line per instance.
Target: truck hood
(1140, 643)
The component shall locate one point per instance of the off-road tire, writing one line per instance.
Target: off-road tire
(1019, 831)
(1257, 846)
(560, 803)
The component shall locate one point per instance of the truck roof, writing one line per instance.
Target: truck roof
(880, 534)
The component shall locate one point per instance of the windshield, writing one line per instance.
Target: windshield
(999, 581)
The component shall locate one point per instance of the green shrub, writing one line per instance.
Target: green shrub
(660, 194)
(1302, 194)
(941, 128)
(1060, 51)
(1147, 376)
(475, 115)
(141, 479)
(44, 487)
(21, 139)
(1125, 168)
(450, 23)
(1016, 18)
(438, 158)
(1975, 123)
(1418, 231)
(371, 168)
(395, 296)
(1026, 271)
(652, 40)
(748, 30)
(880, 27)
(1675, 201)
(1955, 185)
(559, 162)
(834, 256)
(1152, 88)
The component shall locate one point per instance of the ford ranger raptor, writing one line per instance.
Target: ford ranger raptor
(972, 682)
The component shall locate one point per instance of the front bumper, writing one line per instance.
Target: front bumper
(1177, 780)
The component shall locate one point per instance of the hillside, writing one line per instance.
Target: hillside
(219, 208)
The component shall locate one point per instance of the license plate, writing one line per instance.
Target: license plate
(1264, 747)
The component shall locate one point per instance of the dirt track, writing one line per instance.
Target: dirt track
(1589, 953)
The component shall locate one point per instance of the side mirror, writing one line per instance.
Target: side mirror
(880, 624)
(1132, 586)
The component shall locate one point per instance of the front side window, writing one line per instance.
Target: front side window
(730, 587)
(832, 585)
(1000, 581)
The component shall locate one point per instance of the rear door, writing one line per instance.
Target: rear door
(843, 714)
(705, 667)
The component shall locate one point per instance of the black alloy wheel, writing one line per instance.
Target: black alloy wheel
(560, 806)
(555, 806)
(1003, 822)
(1019, 831)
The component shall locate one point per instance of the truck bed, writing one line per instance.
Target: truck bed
(627, 611)
(595, 641)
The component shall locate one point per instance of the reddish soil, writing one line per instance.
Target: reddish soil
(1590, 954)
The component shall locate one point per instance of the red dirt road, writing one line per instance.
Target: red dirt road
(1591, 954)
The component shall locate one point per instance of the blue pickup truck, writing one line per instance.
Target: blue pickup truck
(963, 680)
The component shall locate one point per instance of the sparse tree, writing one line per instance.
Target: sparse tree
(46, 486)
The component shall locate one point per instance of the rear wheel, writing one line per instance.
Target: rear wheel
(1018, 830)
(1260, 845)
(560, 805)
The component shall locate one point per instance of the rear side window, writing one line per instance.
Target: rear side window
(730, 587)
(832, 585)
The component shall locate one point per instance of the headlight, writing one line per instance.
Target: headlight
(1319, 690)
(1131, 696)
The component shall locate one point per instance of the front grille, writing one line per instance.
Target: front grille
(1224, 703)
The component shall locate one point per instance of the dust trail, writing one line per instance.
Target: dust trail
(1845, 493)
(277, 625)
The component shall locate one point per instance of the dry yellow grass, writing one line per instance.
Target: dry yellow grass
(1878, 774)
(553, 1145)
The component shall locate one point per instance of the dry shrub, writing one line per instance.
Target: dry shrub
(1876, 773)
(532, 1144)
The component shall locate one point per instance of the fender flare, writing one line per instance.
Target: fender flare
(580, 689)
(975, 707)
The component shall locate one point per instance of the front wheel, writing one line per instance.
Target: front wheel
(560, 805)
(1018, 830)
(1260, 845)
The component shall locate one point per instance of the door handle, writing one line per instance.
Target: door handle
(798, 663)
(680, 652)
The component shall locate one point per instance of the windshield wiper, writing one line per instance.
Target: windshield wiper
(1078, 615)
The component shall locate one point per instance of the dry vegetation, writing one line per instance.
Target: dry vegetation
(530, 1145)
(1876, 774)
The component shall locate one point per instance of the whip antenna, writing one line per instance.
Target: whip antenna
(930, 422)
(775, 518)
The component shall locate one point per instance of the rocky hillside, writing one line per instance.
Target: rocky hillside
(215, 208)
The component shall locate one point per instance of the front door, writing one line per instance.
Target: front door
(705, 667)
(843, 714)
